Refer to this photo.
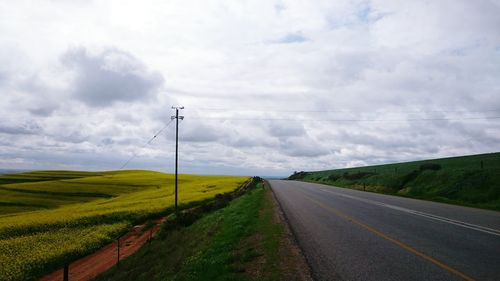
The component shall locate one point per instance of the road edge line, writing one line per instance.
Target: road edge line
(472, 226)
(397, 242)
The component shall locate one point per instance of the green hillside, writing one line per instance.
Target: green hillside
(467, 180)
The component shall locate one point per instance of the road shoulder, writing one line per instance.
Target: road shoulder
(293, 263)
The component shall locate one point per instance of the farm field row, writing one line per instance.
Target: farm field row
(65, 215)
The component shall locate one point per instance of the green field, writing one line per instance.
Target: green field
(48, 218)
(468, 180)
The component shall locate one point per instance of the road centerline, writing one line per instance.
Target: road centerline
(422, 214)
(394, 241)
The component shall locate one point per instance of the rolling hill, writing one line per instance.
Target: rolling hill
(48, 218)
(467, 180)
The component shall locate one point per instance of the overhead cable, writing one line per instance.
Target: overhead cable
(146, 144)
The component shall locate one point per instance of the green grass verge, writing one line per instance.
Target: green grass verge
(468, 180)
(239, 242)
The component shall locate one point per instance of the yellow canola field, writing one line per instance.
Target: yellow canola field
(37, 242)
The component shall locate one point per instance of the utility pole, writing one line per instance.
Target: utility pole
(176, 117)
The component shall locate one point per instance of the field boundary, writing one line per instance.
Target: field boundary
(108, 256)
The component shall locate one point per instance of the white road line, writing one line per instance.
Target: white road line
(422, 214)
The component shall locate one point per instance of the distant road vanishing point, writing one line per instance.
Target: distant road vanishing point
(353, 235)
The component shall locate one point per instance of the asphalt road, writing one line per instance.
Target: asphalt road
(353, 235)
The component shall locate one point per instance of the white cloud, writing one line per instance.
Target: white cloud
(85, 84)
(110, 76)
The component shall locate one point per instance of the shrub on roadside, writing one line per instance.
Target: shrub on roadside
(430, 166)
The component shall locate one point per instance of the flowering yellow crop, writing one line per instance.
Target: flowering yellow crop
(36, 242)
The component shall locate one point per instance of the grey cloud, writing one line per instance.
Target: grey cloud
(286, 129)
(198, 132)
(43, 110)
(110, 76)
(27, 128)
(73, 137)
(302, 147)
(33, 83)
(107, 141)
(32, 92)
(3, 77)
(416, 140)
(371, 139)
(251, 141)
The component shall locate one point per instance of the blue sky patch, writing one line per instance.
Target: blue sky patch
(296, 37)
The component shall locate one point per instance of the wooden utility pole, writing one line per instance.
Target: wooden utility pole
(176, 117)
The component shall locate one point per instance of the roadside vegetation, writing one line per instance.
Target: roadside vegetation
(242, 241)
(50, 218)
(467, 180)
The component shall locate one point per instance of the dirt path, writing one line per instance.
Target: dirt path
(92, 265)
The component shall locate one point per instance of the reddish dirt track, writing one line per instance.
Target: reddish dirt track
(92, 265)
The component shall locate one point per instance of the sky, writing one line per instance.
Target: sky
(269, 87)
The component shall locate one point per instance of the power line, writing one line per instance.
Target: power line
(343, 110)
(346, 120)
(146, 144)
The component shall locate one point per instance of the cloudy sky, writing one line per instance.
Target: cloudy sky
(269, 87)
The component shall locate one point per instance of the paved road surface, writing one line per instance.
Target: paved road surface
(354, 235)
